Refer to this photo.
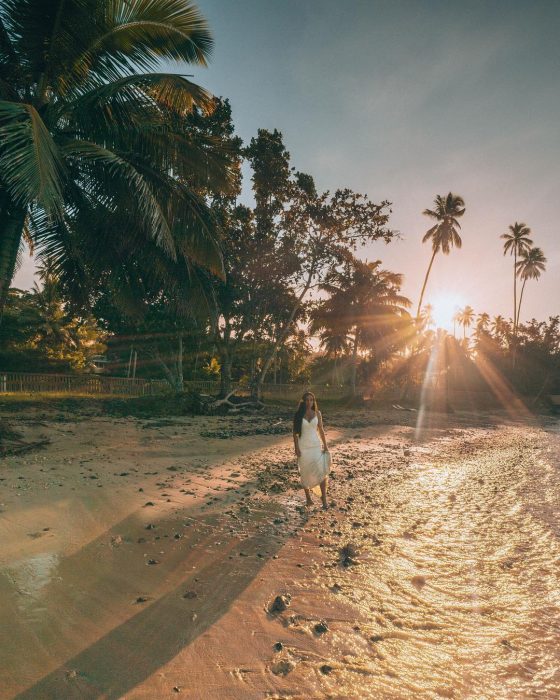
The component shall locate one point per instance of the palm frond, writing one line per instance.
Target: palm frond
(31, 165)
(102, 160)
(115, 102)
(143, 32)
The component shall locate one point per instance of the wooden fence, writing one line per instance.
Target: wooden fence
(27, 382)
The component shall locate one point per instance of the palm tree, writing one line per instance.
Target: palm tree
(443, 234)
(335, 344)
(427, 316)
(456, 321)
(465, 318)
(530, 266)
(497, 325)
(482, 322)
(93, 138)
(517, 241)
(365, 304)
(501, 330)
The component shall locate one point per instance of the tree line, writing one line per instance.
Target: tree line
(126, 183)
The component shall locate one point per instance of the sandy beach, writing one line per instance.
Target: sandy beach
(173, 558)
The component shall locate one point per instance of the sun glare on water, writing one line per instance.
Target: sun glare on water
(444, 308)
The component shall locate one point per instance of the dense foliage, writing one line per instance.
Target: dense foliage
(126, 182)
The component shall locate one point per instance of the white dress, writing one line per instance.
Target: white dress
(314, 464)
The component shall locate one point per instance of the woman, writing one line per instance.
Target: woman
(313, 459)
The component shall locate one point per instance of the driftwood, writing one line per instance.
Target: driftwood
(212, 405)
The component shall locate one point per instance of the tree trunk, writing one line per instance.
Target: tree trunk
(514, 349)
(520, 300)
(514, 355)
(11, 230)
(180, 384)
(514, 289)
(225, 375)
(354, 362)
(173, 374)
(169, 376)
(256, 392)
(424, 285)
(195, 371)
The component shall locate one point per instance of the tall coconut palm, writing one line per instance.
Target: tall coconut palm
(517, 242)
(444, 234)
(531, 265)
(455, 322)
(466, 317)
(91, 132)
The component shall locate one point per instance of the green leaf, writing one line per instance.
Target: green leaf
(31, 165)
(93, 160)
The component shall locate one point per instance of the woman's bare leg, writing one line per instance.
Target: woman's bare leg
(309, 500)
(323, 486)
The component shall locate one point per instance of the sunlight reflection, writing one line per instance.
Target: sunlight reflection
(501, 388)
(427, 388)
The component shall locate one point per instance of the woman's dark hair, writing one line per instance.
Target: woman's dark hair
(300, 412)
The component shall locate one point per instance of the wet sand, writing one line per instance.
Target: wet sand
(142, 560)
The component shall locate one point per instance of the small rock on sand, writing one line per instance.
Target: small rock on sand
(280, 603)
(348, 555)
(418, 582)
(282, 668)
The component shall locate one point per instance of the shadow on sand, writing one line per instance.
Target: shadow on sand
(97, 587)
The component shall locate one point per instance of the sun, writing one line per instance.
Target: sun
(444, 308)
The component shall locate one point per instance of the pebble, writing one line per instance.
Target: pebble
(280, 603)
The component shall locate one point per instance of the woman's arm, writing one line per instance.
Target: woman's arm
(322, 432)
(296, 445)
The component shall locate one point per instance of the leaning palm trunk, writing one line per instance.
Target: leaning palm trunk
(11, 230)
(424, 285)
(518, 311)
(513, 356)
(173, 374)
(520, 300)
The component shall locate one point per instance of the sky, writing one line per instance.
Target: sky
(403, 100)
